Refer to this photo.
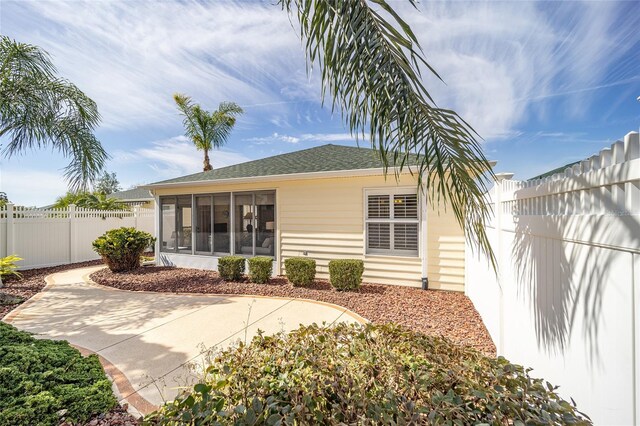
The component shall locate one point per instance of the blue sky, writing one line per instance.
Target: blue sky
(544, 83)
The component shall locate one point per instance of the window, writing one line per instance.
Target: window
(168, 221)
(211, 224)
(392, 223)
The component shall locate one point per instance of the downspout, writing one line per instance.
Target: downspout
(424, 249)
(156, 225)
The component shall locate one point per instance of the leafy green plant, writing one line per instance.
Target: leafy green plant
(346, 274)
(231, 268)
(372, 374)
(44, 381)
(8, 266)
(122, 248)
(260, 269)
(301, 271)
(40, 109)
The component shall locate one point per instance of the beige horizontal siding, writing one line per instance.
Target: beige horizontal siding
(325, 219)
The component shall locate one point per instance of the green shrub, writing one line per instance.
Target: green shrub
(122, 248)
(301, 271)
(40, 378)
(231, 268)
(373, 374)
(346, 274)
(260, 269)
(8, 266)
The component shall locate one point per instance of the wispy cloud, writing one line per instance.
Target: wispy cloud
(173, 157)
(304, 137)
(131, 56)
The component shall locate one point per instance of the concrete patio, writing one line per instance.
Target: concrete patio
(147, 341)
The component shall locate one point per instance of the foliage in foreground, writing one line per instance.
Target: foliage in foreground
(39, 109)
(122, 248)
(8, 266)
(42, 381)
(373, 374)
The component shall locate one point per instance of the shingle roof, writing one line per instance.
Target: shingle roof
(323, 158)
(133, 194)
(554, 171)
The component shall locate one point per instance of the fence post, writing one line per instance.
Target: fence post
(499, 253)
(73, 249)
(135, 216)
(11, 237)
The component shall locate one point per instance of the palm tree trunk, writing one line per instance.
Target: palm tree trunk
(207, 164)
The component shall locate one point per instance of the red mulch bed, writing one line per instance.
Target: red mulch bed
(445, 313)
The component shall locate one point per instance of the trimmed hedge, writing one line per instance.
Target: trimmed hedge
(231, 268)
(44, 381)
(122, 248)
(365, 375)
(301, 271)
(346, 274)
(260, 269)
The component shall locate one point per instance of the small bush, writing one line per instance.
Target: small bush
(346, 274)
(231, 268)
(260, 269)
(122, 248)
(40, 378)
(365, 375)
(301, 271)
(8, 266)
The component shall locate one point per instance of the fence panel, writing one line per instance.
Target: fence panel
(48, 237)
(564, 300)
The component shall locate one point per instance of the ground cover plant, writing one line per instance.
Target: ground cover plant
(45, 382)
(122, 248)
(351, 374)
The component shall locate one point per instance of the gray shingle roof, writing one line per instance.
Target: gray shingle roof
(323, 158)
(133, 194)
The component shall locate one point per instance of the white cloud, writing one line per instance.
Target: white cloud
(501, 61)
(304, 137)
(132, 56)
(173, 157)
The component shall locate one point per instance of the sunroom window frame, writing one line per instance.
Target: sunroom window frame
(392, 193)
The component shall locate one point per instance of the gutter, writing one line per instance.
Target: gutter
(289, 176)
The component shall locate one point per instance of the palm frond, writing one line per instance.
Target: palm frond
(38, 109)
(371, 67)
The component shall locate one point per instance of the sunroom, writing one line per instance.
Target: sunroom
(219, 224)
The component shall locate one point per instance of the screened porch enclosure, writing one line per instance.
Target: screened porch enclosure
(219, 224)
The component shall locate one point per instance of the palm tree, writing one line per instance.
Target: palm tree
(207, 130)
(38, 109)
(372, 67)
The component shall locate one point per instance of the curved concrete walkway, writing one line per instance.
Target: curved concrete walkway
(150, 342)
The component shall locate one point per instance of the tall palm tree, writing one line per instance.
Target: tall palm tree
(372, 67)
(38, 109)
(207, 130)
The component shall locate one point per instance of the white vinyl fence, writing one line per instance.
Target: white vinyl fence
(566, 300)
(47, 237)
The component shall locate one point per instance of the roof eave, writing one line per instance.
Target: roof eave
(288, 176)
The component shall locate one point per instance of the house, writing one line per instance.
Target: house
(325, 203)
(135, 197)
